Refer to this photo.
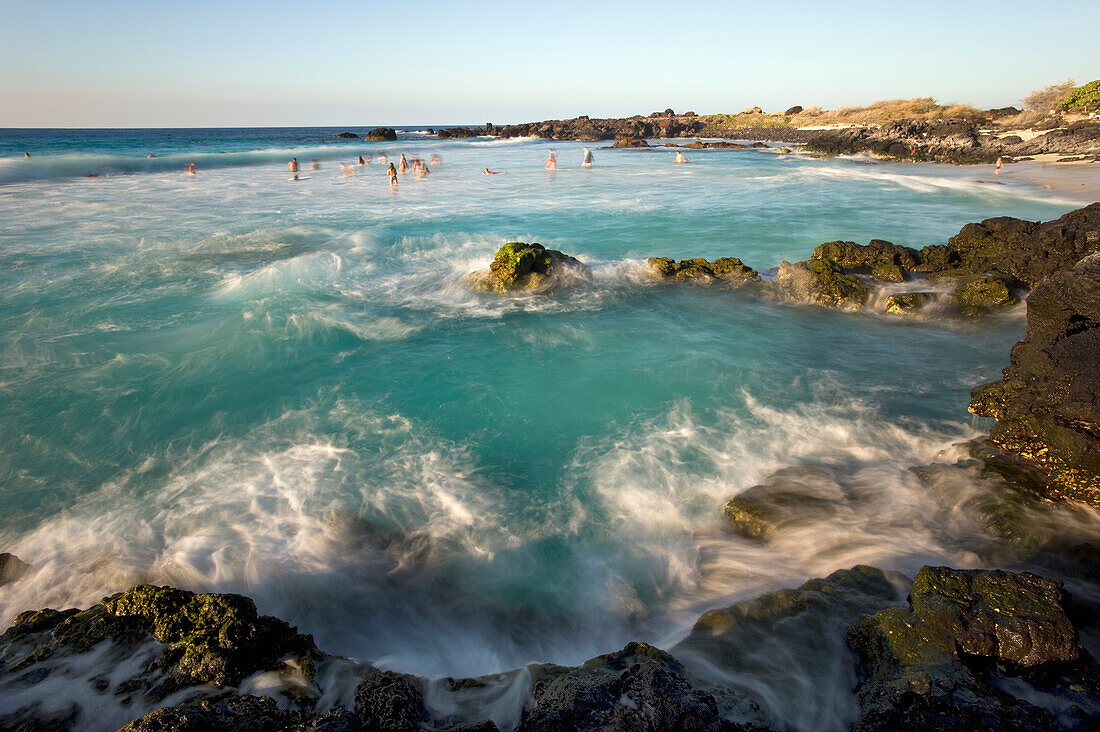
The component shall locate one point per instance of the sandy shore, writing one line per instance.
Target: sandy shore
(1076, 179)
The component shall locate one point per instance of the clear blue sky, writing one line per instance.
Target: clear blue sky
(117, 63)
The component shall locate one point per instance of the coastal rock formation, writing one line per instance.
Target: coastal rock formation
(518, 266)
(1047, 406)
(381, 134)
(935, 664)
(727, 270)
(638, 688)
(822, 282)
(1028, 251)
(983, 294)
(347, 135)
(630, 142)
(931, 665)
(952, 140)
(208, 639)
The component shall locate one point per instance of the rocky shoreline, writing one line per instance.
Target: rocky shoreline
(952, 140)
(948, 648)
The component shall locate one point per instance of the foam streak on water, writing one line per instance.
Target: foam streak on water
(237, 382)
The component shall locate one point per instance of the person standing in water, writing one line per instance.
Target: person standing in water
(552, 160)
(393, 175)
(314, 165)
(1000, 164)
(403, 167)
(292, 166)
(680, 157)
(587, 162)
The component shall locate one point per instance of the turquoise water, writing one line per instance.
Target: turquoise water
(237, 382)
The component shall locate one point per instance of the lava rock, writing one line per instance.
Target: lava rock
(822, 282)
(518, 266)
(381, 134)
(859, 257)
(1028, 251)
(388, 702)
(1047, 406)
(980, 295)
(638, 688)
(727, 270)
(926, 666)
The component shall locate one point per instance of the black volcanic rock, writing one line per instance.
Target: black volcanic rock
(796, 109)
(1047, 406)
(348, 135)
(929, 666)
(727, 270)
(382, 134)
(638, 688)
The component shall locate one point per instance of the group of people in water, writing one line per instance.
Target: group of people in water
(418, 167)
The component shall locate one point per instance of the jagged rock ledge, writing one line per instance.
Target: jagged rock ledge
(942, 661)
(944, 140)
(983, 269)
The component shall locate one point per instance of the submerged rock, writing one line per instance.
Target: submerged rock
(518, 266)
(12, 568)
(727, 270)
(822, 282)
(1047, 406)
(788, 495)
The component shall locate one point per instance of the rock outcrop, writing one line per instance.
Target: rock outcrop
(381, 134)
(638, 688)
(822, 282)
(935, 664)
(521, 267)
(1047, 406)
(932, 665)
(207, 639)
(727, 270)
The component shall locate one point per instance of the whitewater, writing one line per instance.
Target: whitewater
(237, 382)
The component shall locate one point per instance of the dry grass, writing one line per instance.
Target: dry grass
(881, 112)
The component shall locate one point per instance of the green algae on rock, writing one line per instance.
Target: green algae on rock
(518, 266)
(927, 665)
(727, 270)
(983, 294)
(822, 282)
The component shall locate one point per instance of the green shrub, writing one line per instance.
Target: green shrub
(1086, 96)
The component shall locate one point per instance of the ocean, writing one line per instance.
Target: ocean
(238, 382)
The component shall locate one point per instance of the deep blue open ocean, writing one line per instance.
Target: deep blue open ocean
(238, 382)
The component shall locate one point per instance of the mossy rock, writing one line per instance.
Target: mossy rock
(822, 282)
(984, 294)
(905, 303)
(726, 270)
(518, 266)
(886, 272)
